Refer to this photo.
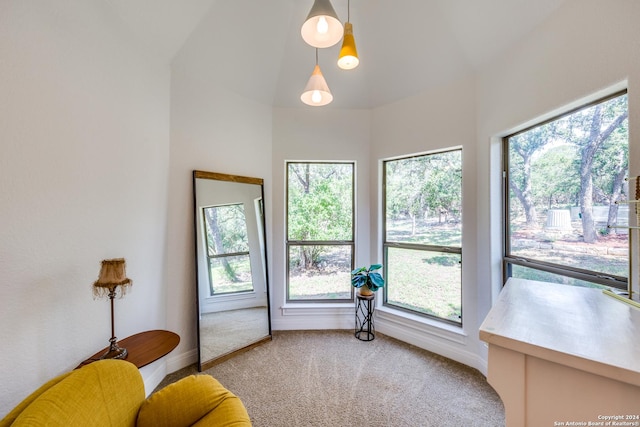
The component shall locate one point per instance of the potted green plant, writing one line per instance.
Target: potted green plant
(367, 280)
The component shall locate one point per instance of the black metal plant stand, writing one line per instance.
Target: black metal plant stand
(365, 330)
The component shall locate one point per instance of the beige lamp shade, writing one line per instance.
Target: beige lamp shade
(322, 28)
(112, 274)
(317, 92)
(112, 277)
(348, 58)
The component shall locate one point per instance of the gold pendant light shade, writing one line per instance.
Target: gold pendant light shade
(348, 58)
(322, 28)
(317, 92)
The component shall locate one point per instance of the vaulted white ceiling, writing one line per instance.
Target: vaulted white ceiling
(405, 46)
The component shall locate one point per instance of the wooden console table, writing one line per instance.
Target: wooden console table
(561, 354)
(143, 348)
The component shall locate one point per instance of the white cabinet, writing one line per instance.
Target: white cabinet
(562, 355)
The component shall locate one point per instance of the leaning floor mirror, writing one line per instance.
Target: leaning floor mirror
(231, 265)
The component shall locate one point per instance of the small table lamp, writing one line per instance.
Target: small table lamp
(112, 275)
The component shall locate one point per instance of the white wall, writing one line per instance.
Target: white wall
(216, 129)
(84, 153)
(431, 121)
(586, 49)
(85, 173)
(307, 134)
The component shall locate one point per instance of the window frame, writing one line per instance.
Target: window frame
(289, 243)
(508, 260)
(224, 255)
(416, 246)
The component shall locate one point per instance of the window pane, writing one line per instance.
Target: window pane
(320, 210)
(230, 274)
(319, 272)
(423, 199)
(320, 201)
(522, 272)
(226, 229)
(426, 282)
(567, 188)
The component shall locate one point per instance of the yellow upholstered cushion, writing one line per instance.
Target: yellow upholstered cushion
(11, 416)
(194, 398)
(103, 393)
(230, 413)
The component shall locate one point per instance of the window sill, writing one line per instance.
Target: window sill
(238, 296)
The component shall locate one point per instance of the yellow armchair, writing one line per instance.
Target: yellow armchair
(202, 401)
(111, 393)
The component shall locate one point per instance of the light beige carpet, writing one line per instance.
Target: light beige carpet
(330, 378)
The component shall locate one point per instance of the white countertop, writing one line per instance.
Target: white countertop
(577, 327)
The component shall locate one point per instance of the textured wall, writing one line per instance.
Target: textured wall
(585, 50)
(84, 145)
(214, 128)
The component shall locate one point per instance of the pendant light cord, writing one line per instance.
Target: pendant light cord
(348, 10)
(316, 56)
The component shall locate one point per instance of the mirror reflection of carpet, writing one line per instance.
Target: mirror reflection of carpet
(231, 330)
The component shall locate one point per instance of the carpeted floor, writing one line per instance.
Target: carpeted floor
(330, 378)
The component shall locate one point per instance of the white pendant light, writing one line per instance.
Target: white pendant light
(322, 28)
(348, 58)
(316, 92)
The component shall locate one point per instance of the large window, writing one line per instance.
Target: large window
(565, 198)
(423, 235)
(320, 231)
(227, 249)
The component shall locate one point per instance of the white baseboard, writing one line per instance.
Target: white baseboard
(445, 340)
(311, 317)
(435, 343)
(182, 360)
(153, 374)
